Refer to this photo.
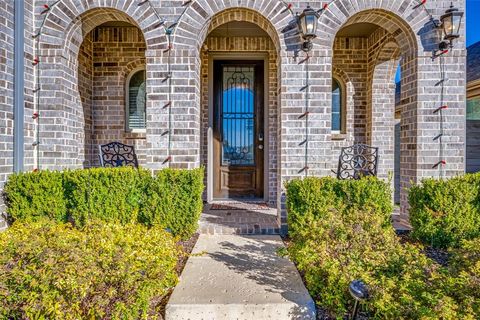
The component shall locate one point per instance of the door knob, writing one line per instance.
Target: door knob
(260, 146)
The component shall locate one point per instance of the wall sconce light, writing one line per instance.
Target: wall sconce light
(307, 23)
(450, 23)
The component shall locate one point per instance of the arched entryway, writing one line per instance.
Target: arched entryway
(240, 70)
(112, 88)
(368, 49)
(93, 50)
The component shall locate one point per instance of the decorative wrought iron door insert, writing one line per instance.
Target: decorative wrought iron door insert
(238, 116)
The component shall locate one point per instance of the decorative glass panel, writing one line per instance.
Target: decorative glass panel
(137, 101)
(238, 116)
(336, 106)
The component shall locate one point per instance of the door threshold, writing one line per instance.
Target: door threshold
(257, 200)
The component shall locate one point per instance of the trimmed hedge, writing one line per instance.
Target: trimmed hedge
(445, 212)
(337, 236)
(108, 194)
(171, 199)
(35, 194)
(311, 198)
(49, 270)
(174, 200)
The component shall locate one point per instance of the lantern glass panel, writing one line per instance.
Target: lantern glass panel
(457, 21)
(303, 25)
(311, 25)
(447, 26)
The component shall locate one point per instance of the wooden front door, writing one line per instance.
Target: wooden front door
(238, 131)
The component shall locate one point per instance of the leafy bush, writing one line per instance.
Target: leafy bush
(172, 198)
(462, 278)
(35, 194)
(311, 198)
(106, 194)
(336, 237)
(104, 271)
(444, 212)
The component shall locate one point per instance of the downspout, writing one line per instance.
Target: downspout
(18, 85)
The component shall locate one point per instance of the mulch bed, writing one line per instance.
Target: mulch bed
(187, 246)
(440, 256)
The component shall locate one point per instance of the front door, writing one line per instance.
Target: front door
(238, 134)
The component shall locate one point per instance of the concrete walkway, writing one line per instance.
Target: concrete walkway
(240, 278)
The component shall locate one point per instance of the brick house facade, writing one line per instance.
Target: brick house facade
(88, 49)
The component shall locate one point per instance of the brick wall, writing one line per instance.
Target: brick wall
(63, 115)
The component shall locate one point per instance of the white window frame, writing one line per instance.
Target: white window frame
(127, 100)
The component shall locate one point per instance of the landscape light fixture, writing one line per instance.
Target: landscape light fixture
(307, 23)
(359, 292)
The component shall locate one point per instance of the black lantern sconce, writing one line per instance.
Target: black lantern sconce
(450, 23)
(307, 23)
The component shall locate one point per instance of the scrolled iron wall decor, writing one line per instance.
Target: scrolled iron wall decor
(357, 161)
(116, 154)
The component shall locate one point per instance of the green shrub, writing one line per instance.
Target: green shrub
(337, 237)
(344, 246)
(444, 212)
(462, 278)
(104, 271)
(109, 194)
(174, 200)
(311, 198)
(35, 194)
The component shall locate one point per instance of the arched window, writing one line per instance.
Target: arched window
(136, 97)
(338, 107)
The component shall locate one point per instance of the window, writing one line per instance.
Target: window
(473, 108)
(337, 107)
(136, 101)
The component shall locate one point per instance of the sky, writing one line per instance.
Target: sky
(473, 21)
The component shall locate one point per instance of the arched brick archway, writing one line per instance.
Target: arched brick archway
(264, 46)
(399, 36)
(64, 122)
(200, 18)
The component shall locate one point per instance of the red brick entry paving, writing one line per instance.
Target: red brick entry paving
(237, 217)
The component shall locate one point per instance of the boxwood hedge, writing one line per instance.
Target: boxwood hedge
(171, 198)
(445, 212)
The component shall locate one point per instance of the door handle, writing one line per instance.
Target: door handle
(260, 137)
(260, 146)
